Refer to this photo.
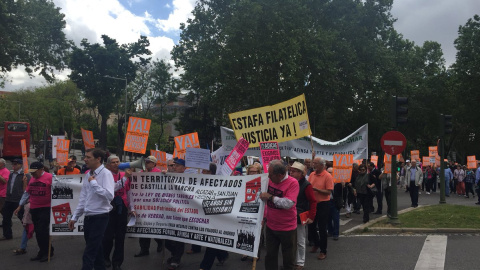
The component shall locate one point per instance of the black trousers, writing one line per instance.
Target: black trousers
(176, 249)
(41, 224)
(116, 230)
(7, 212)
(365, 201)
(413, 193)
(379, 197)
(210, 255)
(145, 243)
(321, 219)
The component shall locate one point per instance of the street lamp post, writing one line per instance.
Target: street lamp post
(19, 102)
(125, 119)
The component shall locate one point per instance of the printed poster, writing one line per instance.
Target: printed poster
(183, 142)
(87, 137)
(235, 156)
(471, 162)
(161, 159)
(415, 155)
(269, 151)
(281, 122)
(137, 135)
(342, 168)
(374, 159)
(65, 194)
(62, 151)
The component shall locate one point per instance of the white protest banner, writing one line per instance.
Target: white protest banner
(269, 152)
(219, 157)
(65, 193)
(222, 212)
(197, 158)
(355, 144)
(235, 156)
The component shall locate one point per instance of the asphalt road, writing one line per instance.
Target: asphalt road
(349, 252)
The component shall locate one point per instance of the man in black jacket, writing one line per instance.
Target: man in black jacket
(16, 184)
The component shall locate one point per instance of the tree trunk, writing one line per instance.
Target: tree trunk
(103, 132)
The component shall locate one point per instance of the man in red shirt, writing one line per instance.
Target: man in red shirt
(322, 183)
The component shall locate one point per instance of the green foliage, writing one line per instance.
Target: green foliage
(345, 56)
(31, 35)
(91, 63)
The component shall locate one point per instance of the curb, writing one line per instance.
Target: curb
(365, 228)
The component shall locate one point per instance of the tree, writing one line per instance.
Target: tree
(31, 36)
(92, 63)
(465, 86)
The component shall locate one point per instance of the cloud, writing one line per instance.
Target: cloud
(91, 19)
(182, 10)
(435, 20)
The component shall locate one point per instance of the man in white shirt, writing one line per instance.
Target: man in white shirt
(94, 202)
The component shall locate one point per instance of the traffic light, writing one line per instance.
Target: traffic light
(399, 110)
(445, 124)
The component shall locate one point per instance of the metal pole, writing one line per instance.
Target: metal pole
(125, 128)
(442, 172)
(393, 218)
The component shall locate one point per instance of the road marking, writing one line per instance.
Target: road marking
(433, 253)
(388, 142)
(344, 221)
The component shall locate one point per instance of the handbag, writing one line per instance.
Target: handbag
(373, 191)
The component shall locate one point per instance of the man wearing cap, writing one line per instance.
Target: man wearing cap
(150, 166)
(4, 174)
(16, 185)
(305, 202)
(281, 216)
(70, 168)
(39, 192)
(94, 201)
(118, 218)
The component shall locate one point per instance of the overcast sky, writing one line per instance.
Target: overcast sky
(126, 20)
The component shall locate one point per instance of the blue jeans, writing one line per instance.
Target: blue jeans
(94, 229)
(447, 187)
(333, 219)
(23, 245)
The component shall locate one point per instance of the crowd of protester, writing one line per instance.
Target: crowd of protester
(302, 201)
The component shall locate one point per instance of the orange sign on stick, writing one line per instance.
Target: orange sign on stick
(374, 159)
(161, 158)
(183, 142)
(342, 168)
(62, 151)
(471, 162)
(415, 155)
(137, 135)
(23, 144)
(387, 161)
(426, 161)
(87, 137)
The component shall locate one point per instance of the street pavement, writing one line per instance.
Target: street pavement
(352, 251)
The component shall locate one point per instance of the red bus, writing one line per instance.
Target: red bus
(11, 133)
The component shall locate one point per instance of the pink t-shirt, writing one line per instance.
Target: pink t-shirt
(5, 173)
(283, 219)
(40, 191)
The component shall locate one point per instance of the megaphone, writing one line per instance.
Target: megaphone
(140, 164)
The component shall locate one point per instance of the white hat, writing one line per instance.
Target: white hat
(152, 159)
(408, 160)
(299, 166)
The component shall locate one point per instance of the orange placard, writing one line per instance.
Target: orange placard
(62, 152)
(23, 144)
(342, 168)
(161, 159)
(87, 137)
(387, 160)
(471, 162)
(374, 159)
(183, 142)
(415, 155)
(426, 161)
(400, 158)
(137, 135)
(432, 151)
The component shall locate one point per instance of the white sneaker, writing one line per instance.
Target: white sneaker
(428, 193)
